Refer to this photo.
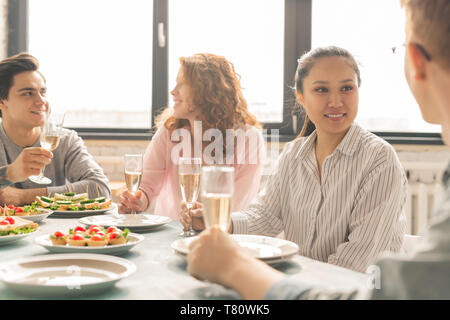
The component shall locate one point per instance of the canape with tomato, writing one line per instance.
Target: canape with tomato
(76, 239)
(58, 238)
(97, 241)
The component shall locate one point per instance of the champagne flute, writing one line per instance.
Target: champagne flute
(50, 136)
(133, 173)
(189, 174)
(217, 188)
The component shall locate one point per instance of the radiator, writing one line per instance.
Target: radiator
(424, 193)
(420, 204)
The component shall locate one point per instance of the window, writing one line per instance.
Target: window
(97, 59)
(369, 32)
(111, 64)
(247, 33)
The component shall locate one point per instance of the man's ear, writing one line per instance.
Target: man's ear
(418, 61)
(299, 97)
(2, 104)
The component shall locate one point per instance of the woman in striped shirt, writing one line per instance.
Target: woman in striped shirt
(339, 192)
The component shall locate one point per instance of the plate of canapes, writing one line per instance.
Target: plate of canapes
(73, 205)
(96, 239)
(15, 228)
(31, 212)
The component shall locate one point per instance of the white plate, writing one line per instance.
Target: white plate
(80, 214)
(134, 222)
(64, 274)
(11, 238)
(117, 249)
(38, 217)
(268, 249)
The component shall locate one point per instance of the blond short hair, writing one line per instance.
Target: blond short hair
(430, 22)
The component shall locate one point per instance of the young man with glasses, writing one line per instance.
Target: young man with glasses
(423, 275)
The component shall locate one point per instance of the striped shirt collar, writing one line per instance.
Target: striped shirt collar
(347, 146)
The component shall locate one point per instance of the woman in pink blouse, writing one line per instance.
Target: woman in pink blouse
(207, 96)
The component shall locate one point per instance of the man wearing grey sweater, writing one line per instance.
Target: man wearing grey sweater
(23, 105)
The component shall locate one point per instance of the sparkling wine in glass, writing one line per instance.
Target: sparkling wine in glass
(50, 136)
(217, 189)
(133, 173)
(189, 170)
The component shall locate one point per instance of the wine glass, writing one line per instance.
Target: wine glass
(133, 173)
(217, 189)
(50, 136)
(189, 175)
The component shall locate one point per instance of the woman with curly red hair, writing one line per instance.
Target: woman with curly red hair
(207, 98)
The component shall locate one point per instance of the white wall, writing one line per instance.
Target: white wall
(426, 163)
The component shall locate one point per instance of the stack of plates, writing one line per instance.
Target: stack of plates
(64, 274)
(134, 222)
(267, 249)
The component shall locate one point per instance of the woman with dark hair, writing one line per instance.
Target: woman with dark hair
(339, 192)
(421, 274)
(207, 97)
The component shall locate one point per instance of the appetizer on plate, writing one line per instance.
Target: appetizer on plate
(72, 202)
(11, 210)
(58, 238)
(97, 240)
(95, 236)
(16, 225)
(76, 239)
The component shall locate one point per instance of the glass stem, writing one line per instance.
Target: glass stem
(41, 174)
(132, 210)
(189, 206)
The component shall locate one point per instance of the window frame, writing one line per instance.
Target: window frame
(297, 40)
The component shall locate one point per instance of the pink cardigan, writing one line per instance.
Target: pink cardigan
(160, 173)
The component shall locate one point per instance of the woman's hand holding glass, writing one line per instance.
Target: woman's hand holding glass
(217, 189)
(130, 203)
(189, 170)
(192, 217)
(133, 198)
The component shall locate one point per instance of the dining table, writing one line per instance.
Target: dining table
(161, 274)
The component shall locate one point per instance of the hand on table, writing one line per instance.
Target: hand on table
(129, 202)
(20, 197)
(10, 195)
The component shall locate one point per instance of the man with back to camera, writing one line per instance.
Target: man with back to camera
(23, 106)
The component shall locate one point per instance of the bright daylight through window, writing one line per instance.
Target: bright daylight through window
(97, 58)
(369, 32)
(248, 33)
(98, 62)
